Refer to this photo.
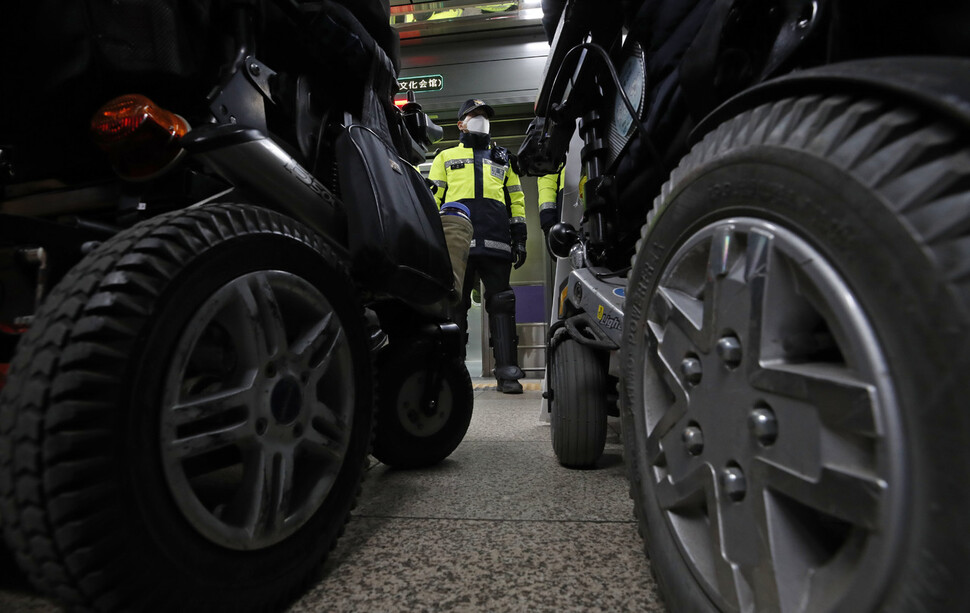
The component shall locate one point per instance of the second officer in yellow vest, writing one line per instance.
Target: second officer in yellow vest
(550, 200)
(478, 174)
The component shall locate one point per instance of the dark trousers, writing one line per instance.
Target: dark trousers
(493, 274)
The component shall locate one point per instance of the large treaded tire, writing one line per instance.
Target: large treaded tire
(404, 435)
(86, 496)
(580, 404)
(879, 197)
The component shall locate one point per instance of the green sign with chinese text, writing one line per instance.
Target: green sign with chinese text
(423, 83)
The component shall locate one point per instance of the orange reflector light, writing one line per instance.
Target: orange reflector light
(139, 138)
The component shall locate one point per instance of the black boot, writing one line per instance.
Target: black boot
(504, 342)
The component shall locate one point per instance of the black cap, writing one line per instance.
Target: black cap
(471, 105)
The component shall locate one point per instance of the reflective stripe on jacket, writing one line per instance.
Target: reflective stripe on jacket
(482, 179)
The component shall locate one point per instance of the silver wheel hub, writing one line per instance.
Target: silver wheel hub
(257, 410)
(417, 417)
(770, 418)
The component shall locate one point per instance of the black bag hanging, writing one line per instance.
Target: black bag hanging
(395, 236)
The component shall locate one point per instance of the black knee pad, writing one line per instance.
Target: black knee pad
(501, 302)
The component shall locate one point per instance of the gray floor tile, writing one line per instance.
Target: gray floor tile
(390, 565)
(503, 417)
(497, 417)
(502, 480)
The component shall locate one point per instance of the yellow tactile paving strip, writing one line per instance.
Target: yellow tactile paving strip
(532, 387)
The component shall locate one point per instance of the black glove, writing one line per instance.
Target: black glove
(518, 252)
(548, 218)
(519, 234)
(514, 163)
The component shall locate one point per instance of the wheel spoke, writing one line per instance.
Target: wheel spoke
(677, 409)
(656, 454)
(852, 498)
(221, 436)
(676, 334)
(757, 276)
(263, 319)
(212, 405)
(322, 444)
(280, 482)
(844, 403)
(740, 532)
(326, 432)
(672, 309)
(756, 259)
(268, 489)
(328, 419)
(745, 568)
(672, 350)
(693, 490)
(724, 250)
(725, 289)
(695, 495)
(672, 346)
(317, 346)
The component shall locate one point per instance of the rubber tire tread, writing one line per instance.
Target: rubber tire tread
(920, 169)
(56, 439)
(579, 405)
(395, 446)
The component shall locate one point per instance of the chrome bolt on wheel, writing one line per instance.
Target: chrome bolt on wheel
(729, 350)
(693, 440)
(734, 484)
(763, 425)
(692, 371)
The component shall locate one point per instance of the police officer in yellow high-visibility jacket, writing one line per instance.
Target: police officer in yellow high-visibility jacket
(479, 174)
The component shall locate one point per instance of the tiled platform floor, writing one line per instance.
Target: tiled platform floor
(498, 526)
